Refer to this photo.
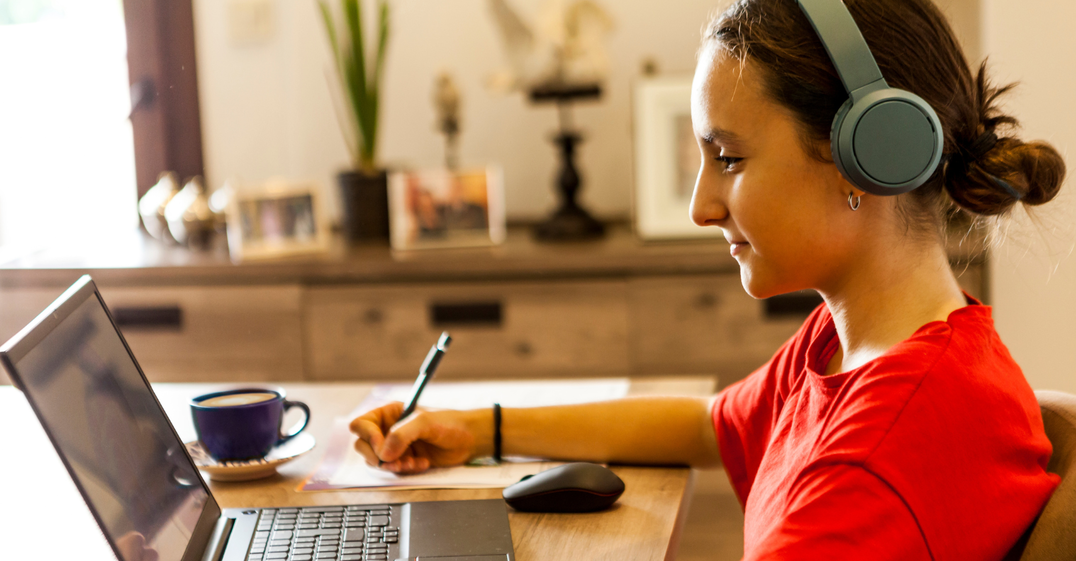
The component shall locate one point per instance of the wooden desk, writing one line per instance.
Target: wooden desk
(37, 491)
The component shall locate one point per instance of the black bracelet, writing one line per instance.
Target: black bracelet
(497, 432)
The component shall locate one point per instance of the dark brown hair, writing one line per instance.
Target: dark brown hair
(916, 50)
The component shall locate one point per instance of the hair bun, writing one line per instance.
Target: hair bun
(1011, 172)
(988, 177)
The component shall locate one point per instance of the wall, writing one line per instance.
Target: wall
(1034, 276)
(267, 108)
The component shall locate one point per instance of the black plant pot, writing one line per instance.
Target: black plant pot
(365, 199)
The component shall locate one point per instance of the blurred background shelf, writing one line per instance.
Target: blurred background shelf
(613, 307)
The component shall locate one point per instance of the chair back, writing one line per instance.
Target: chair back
(1053, 538)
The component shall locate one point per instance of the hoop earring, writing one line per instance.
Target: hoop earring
(854, 205)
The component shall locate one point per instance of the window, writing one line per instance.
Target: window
(67, 169)
(72, 164)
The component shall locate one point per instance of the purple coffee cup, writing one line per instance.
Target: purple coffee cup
(244, 423)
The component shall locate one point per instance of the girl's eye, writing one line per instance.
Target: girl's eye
(728, 162)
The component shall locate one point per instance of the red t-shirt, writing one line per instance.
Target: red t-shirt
(935, 450)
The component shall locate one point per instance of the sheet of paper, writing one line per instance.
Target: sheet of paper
(343, 468)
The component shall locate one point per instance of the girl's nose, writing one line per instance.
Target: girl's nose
(707, 201)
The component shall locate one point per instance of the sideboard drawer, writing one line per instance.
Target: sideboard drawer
(212, 334)
(704, 325)
(502, 330)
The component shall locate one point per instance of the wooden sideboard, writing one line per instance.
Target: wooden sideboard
(612, 307)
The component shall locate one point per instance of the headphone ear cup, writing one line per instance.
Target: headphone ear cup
(835, 139)
(887, 143)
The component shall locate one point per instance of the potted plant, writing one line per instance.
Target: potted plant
(364, 191)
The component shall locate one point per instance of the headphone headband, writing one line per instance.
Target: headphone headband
(885, 141)
(844, 42)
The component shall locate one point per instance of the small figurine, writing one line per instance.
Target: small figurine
(446, 102)
(151, 206)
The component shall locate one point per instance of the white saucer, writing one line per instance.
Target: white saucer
(251, 469)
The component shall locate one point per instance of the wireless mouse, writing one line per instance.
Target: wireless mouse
(575, 487)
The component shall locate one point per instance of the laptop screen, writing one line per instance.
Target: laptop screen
(118, 444)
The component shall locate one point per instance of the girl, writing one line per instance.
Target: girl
(894, 424)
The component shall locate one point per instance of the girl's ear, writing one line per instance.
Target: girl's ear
(824, 150)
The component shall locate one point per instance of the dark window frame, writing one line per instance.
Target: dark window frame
(165, 115)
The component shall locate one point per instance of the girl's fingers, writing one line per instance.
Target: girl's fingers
(363, 448)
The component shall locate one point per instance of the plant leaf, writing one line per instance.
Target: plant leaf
(347, 116)
(374, 95)
(330, 30)
(356, 106)
(353, 15)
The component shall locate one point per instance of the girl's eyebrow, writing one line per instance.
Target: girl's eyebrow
(722, 136)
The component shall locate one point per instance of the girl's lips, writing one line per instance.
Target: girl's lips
(735, 248)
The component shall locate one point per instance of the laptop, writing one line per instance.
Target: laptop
(94, 402)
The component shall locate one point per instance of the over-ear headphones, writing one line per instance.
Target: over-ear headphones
(885, 141)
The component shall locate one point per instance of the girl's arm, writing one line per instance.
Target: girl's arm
(636, 430)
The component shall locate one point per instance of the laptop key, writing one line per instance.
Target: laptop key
(379, 521)
(318, 532)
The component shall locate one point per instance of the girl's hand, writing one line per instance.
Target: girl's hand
(425, 439)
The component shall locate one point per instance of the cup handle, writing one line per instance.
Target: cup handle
(298, 427)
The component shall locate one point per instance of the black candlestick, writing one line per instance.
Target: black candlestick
(570, 222)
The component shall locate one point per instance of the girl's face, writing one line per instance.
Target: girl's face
(785, 213)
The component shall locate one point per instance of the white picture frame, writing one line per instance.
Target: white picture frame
(463, 208)
(667, 160)
(275, 219)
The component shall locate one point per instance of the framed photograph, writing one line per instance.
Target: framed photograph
(667, 160)
(275, 219)
(440, 208)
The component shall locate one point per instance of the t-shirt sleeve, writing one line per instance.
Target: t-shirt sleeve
(745, 413)
(841, 512)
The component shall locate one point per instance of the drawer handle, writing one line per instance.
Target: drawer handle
(800, 304)
(524, 349)
(706, 301)
(163, 317)
(473, 314)
(373, 316)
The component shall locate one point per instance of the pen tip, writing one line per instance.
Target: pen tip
(445, 339)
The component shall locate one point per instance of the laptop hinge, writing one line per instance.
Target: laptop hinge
(222, 541)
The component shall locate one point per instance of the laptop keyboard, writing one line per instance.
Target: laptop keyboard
(336, 533)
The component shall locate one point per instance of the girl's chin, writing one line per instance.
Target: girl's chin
(756, 286)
